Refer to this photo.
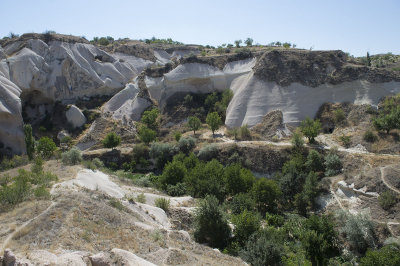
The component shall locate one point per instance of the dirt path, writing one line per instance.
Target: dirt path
(385, 182)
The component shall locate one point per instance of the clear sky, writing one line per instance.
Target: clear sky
(354, 26)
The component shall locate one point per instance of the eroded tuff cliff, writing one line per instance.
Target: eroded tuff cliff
(45, 68)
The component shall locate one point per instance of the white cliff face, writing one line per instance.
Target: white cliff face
(126, 104)
(58, 71)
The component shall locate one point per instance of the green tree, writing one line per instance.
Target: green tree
(297, 140)
(46, 147)
(249, 41)
(146, 134)
(387, 199)
(368, 59)
(194, 123)
(315, 161)
(266, 193)
(111, 140)
(29, 141)
(388, 121)
(237, 179)
(214, 121)
(210, 224)
(386, 256)
(310, 128)
(237, 43)
(174, 173)
(246, 224)
(149, 118)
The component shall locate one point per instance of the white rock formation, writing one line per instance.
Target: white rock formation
(127, 104)
(58, 71)
(75, 116)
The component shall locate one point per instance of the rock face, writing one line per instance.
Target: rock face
(44, 68)
(75, 116)
(271, 125)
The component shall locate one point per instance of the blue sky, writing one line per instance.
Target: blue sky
(354, 26)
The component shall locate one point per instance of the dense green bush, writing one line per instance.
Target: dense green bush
(174, 173)
(46, 147)
(387, 200)
(358, 229)
(177, 136)
(207, 179)
(73, 156)
(208, 152)
(186, 144)
(246, 223)
(241, 202)
(111, 140)
(140, 151)
(176, 190)
(315, 161)
(264, 247)
(146, 134)
(297, 140)
(149, 118)
(266, 193)
(386, 256)
(333, 164)
(210, 224)
(346, 140)
(13, 162)
(162, 153)
(237, 179)
(275, 220)
(339, 115)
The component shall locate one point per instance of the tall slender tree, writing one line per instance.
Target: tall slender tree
(29, 141)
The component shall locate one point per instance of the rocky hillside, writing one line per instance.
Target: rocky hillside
(38, 70)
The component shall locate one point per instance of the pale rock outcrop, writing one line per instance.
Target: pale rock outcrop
(100, 259)
(75, 116)
(56, 71)
(127, 104)
(129, 259)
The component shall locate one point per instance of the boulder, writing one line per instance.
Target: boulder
(75, 116)
(100, 259)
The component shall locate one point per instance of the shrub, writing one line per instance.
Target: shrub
(208, 152)
(15, 161)
(111, 140)
(266, 193)
(194, 123)
(188, 99)
(369, 136)
(297, 140)
(143, 181)
(244, 133)
(141, 198)
(310, 128)
(146, 134)
(46, 147)
(206, 179)
(149, 118)
(264, 247)
(387, 199)
(339, 115)
(315, 161)
(346, 141)
(177, 136)
(358, 230)
(246, 223)
(162, 203)
(186, 144)
(116, 203)
(386, 256)
(140, 151)
(210, 224)
(176, 190)
(162, 153)
(174, 173)
(29, 141)
(275, 220)
(73, 156)
(237, 179)
(241, 202)
(41, 192)
(214, 121)
(332, 164)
